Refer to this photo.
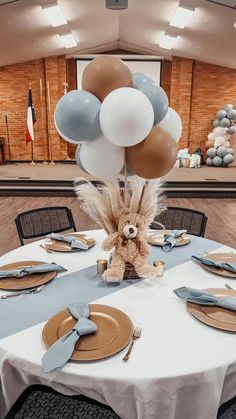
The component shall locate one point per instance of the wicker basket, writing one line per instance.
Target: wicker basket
(130, 272)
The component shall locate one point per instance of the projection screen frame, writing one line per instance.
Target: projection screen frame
(157, 60)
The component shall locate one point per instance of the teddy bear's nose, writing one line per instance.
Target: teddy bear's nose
(131, 230)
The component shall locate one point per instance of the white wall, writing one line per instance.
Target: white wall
(148, 65)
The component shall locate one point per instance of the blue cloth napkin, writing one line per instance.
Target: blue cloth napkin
(74, 243)
(220, 265)
(196, 296)
(60, 352)
(35, 269)
(170, 239)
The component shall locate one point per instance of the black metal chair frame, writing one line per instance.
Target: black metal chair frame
(31, 236)
(188, 210)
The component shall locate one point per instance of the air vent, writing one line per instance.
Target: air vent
(226, 3)
(117, 4)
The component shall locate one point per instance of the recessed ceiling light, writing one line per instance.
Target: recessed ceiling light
(68, 40)
(181, 17)
(55, 15)
(168, 41)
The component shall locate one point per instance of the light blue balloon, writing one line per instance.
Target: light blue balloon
(209, 162)
(216, 123)
(230, 151)
(222, 151)
(77, 116)
(217, 161)
(140, 78)
(228, 159)
(231, 130)
(221, 114)
(231, 114)
(211, 152)
(225, 123)
(228, 107)
(78, 161)
(128, 170)
(158, 99)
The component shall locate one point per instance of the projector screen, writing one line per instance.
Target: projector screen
(149, 66)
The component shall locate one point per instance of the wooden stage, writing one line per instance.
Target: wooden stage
(57, 180)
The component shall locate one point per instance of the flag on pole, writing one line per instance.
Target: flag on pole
(31, 119)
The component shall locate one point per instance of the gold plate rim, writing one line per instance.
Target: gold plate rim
(55, 245)
(14, 284)
(220, 272)
(92, 355)
(196, 310)
(185, 239)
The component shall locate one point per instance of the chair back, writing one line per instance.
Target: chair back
(42, 221)
(182, 219)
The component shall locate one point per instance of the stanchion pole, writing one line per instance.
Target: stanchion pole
(65, 87)
(49, 123)
(42, 117)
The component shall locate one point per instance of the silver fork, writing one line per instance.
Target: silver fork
(15, 294)
(136, 335)
(46, 248)
(228, 286)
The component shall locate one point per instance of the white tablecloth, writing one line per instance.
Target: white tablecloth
(179, 368)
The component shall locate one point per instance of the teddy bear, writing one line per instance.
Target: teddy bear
(130, 246)
(125, 214)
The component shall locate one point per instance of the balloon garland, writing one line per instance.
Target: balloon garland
(218, 147)
(121, 122)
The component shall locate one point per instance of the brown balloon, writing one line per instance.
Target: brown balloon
(154, 156)
(209, 144)
(104, 74)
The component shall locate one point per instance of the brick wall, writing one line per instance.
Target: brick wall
(196, 91)
(14, 85)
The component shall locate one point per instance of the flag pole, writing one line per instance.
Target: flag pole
(49, 123)
(32, 153)
(32, 146)
(42, 114)
(8, 139)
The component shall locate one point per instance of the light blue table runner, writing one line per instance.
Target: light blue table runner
(85, 285)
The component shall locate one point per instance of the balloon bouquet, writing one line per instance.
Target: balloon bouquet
(219, 151)
(119, 118)
(124, 126)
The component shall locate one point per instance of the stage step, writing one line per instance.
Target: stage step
(29, 187)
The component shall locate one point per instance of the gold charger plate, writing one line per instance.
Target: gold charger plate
(28, 281)
(155, 237)
(60, 246)
(217, 317)
(221, 257)
(115, 331)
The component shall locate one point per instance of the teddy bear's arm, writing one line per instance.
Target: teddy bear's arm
(110, 241)
(144, 248)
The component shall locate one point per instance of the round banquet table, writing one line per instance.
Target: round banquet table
(180, 368)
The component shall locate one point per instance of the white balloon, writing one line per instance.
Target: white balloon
(219, 141)
(211, 136)
(126, 116)
(173, 124)
(101, 158)
(219, 131)
(227, 144)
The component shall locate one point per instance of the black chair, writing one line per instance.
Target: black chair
(181, 219)
(42, 221)
(41, 402)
